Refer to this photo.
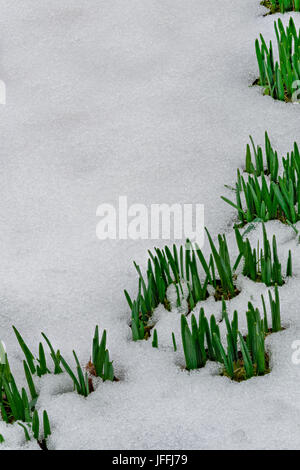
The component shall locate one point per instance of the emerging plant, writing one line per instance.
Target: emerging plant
(166, 268)
(291, 165)
(55, 356)
(81, 382)
(262, 264)
(275, 312)
(260, 200)
(244, 357)
(16, 406)
(262, 163)
(288, 198)
(155, 340)
(252, 359)
(281, 6)
(34, 428)
(174, 342)
(278, 78)
(100, 366)
(41, 367)
(198, 342)
(222, 261)
(264, 202)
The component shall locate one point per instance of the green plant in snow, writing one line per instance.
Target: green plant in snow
(5, 372)
(255, 200)
(167, 267)
(264, 202)
(80, 379)
(55, 356)
(17, 407)
(174, 342)
(243, 357)
(198, 342)
(39, 365)
(15, 404)
(278, 77)
(155, 340)
(291, 165)
(101, 365)
(288, 198)
(256, 339)
(221, 258)
(252, 359)
(275, 312)
(281, 6)
(262, 162)
(33, 428)
(262, 264)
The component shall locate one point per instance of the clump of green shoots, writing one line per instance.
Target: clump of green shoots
(167, 267)
(100, 366)
(279, 77)
(198, 345)
(243, 357)
(39, 366)
(259, 199)
(252, 359)
(33, 427)
(259, 162)
(262, 265)
(17, 406)
(222, 261)
(275, 312)
(281, 6)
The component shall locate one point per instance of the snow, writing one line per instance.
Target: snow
(151, 100)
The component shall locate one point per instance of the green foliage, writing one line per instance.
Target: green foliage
(30, 382)
(33, 427)
(41, 367)
(275, 311)
(256, 339)
(16, 406)
(242, 357)
(167, 267)
(257, 198)
(100, 357)
(278, 77)
(28, 354)
(155, 340)
(281, 6)
(174, 342)
(222, 261)
(198, 342)
(55, 356)
(260, 201)
(80, 378)
(262, 264)
(262, 162)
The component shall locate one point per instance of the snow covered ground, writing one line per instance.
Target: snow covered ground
(149, 99)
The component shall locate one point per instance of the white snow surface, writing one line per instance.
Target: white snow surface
(149, 99)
